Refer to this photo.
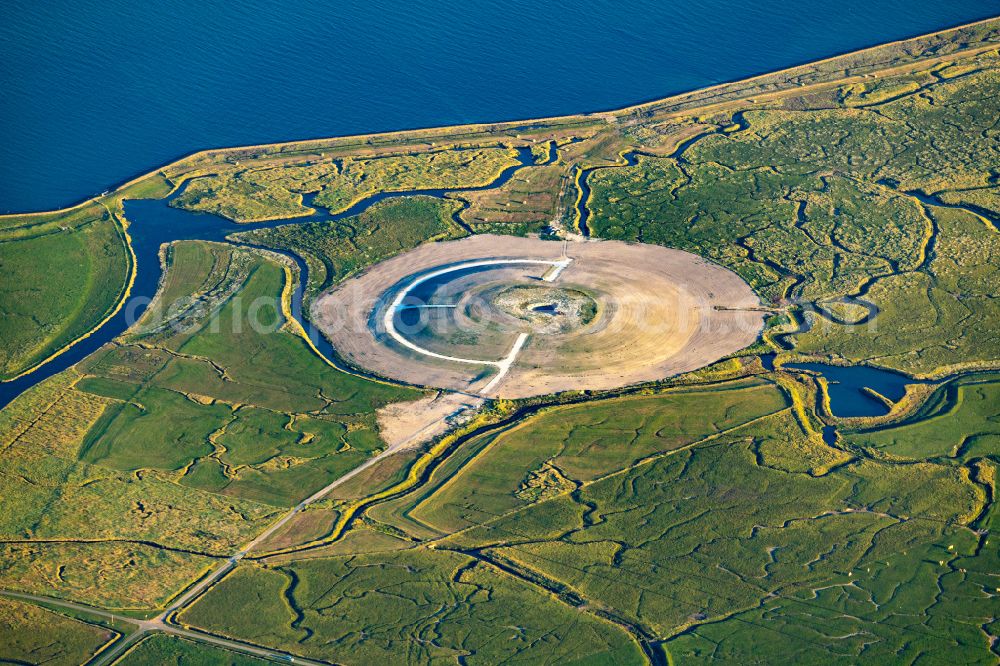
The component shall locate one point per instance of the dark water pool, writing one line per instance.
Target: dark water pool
(847, 385)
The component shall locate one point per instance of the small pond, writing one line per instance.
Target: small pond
(846, 386)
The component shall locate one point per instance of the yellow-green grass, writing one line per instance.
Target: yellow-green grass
(788, 444)
(763, 528)
(913, 596)
(803, 221)
(154, 468)
(334, 251)
(62, 275)
(968, 428)
(411, 606)
(931, 321)
(114, 575)
(33, 635)
(313, 523)
(530, 198)
(321, 520)
(867, 562)
(162, 649)
(48, 497)
(694, 537)
(241, 405)
(208, 274)
(360, 540)
(265, 193)
(559, 449)
(51, 418)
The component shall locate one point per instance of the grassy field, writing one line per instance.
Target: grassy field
(110, 574)
(208, 274)
(254, 194)
(62, 275)
(820, 203)
(967, 429)
(569, 446)
(740, 535)
(716, 534)
(237, 404)
(527, 202)
(334, 251)
(64, 642)
(161, 649)
(127, 475)
(406, 607)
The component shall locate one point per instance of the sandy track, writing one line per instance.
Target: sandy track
(407, 425)
(659, 315)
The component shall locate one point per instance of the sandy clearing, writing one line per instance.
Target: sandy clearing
(661, 312)
(406, 425)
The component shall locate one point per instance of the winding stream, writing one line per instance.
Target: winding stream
(154, 222)
(582, 208)
(631, 158)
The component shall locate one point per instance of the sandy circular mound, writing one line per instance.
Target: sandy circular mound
(465, 315)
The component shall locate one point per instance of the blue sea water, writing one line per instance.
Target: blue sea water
(93, 92)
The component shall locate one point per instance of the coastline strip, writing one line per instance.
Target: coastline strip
(487, 127)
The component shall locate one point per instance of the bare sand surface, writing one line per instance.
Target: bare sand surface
(661, 312)
(406, 425)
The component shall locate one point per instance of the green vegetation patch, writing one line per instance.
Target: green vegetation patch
(566, 446)
(240, 404)
(267, 193)
(208, 274)
(911, 598)
(163, 649)
(107, 574)
(968, 428)
(123, 483)
(62, 273)
(51, 498)
(934, 319)
(416, 606)
(335, 250)
(717, 531)
(62, 642)
(814, 206)
(243, 197)
(172, 428)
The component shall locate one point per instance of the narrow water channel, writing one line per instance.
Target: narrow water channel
(153, 222)
(582, 207)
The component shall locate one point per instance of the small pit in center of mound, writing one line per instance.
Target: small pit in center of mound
(548, 309)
